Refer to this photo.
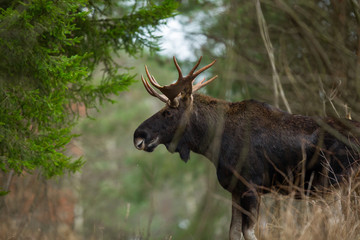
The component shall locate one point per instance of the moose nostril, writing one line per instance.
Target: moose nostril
(140, 138)
(139, 143)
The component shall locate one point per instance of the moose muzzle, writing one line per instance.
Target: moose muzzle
(145, 141)
(139, 143)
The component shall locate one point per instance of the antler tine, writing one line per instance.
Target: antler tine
(146, 86)
(152, 92)
(178, 68)
(194, 68)
(152, 79)
(202, 83)
(203, 69)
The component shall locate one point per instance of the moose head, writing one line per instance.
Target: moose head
(168, 126)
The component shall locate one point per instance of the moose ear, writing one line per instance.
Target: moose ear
(186, 97)
(173, 103)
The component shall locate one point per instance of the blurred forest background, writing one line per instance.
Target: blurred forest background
(302, 56)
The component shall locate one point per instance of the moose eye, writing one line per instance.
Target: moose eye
(166, 113)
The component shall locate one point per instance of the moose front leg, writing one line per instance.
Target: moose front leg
(250, 204)
(236, 220)
(244, 215)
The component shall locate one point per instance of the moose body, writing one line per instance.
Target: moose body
(255, 147)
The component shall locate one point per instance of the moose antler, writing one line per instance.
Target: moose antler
(183, 84)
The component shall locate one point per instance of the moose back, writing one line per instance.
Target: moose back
(254, 147)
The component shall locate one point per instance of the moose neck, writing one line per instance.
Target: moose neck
(205, 129)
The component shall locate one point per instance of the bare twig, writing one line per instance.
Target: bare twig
(278, 89)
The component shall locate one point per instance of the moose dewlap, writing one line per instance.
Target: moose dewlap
(254, 147)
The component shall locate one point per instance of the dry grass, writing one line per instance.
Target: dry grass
(334, 216)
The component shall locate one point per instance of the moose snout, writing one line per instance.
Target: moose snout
(140, 137)
(139, 143)
(143, 140)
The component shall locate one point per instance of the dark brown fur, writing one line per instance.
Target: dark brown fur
(255, 148)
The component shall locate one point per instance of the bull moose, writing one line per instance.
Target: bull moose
(254, 146)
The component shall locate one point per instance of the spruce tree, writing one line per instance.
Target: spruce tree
(49, 51)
